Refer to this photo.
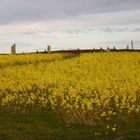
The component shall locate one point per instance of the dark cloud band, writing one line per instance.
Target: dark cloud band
(31, 10)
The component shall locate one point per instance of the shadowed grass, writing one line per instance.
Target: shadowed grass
(49, 126)
(40, 127)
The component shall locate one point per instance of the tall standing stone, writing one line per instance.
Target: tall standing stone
(49, 48)
(132, 45)
(13, 49)
(127, 47)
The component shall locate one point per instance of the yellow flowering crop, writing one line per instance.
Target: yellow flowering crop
(89, 89)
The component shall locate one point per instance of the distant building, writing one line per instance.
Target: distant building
(13, 49)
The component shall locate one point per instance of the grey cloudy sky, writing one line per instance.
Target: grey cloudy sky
(12, 11)
(31, 23)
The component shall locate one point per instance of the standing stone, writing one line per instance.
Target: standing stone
(49, 48)
(127, 47)
(13, 49)
(108, 48)
(132, 45)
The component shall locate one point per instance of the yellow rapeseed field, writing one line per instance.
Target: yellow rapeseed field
(95, 89)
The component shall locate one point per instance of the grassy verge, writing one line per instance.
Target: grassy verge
(49, 127)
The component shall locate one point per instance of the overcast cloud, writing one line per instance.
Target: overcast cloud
(57, 21)
(34, 10)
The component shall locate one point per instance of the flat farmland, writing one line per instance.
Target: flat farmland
(56, 96)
